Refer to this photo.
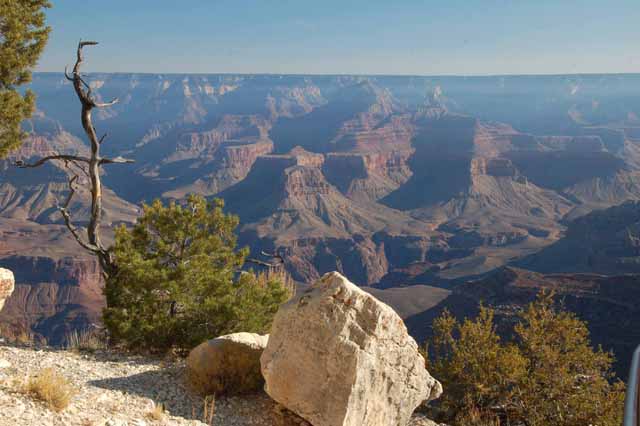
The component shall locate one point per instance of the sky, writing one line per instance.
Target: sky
(408, 37)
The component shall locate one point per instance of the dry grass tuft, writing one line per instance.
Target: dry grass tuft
(24, 337)
(50, 387)
(157, 413)
(87, 340)
(209, 409)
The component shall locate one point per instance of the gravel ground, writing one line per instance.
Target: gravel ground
(121, 390)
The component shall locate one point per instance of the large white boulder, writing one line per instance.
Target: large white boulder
(7, 283)
(227, 364)
(337, 356)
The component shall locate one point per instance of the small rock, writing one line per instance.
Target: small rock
(7, 283)
(227, 364)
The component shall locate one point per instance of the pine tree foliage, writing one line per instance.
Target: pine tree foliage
(23, 35)
(547, 375)
(177, 281)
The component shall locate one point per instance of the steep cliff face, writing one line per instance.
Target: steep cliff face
(557, 163)
(52, 297)
(368, 177)
(202, 145)
(231, 163)
(440, 163)
(356, 117)
(310, 258)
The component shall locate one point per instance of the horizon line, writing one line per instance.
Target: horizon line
(272, 74)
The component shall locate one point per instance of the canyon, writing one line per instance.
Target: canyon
(426, 191)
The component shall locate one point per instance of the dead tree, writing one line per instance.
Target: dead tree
(90, 166)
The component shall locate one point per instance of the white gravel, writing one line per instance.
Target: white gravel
(121, 390)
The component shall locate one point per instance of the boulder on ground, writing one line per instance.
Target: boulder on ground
(337, 356)
(7, 283)
(227, 364)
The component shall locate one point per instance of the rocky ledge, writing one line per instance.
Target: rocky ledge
(120, 390)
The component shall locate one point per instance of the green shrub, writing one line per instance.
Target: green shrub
(23, 36)
(548, 375)
(177, 281)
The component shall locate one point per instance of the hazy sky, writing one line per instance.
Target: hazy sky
(349, 36)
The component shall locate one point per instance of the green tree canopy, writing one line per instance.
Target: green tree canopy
(177, 280)
(547, 375)
(23, 35)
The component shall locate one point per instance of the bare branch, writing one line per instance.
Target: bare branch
(78, 81)
(81, 168)
(66, 74)
(74, 231)
(85, 84)
(106, 104)
(72, 191)
(102, 138)
(67, 217)
(279, 258)
(117, 160)
(273, 255)
(81, 44)
(21, 164)
(261, 263)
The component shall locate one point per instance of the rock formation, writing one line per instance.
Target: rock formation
(603, 242)
(402, 180)
(294, 207)
(339, 357)
(228, 364)
(6, 285)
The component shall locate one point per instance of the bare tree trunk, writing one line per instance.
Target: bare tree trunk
(89, 166)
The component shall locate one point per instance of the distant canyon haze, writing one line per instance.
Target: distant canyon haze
(428, 191)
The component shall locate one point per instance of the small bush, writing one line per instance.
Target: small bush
(177, 281)
(51, 388)
(547, 375)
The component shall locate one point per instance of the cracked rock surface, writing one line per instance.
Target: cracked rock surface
(337, 356)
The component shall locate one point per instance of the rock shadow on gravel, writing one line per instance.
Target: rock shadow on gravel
(167, 387)
(164, 386)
